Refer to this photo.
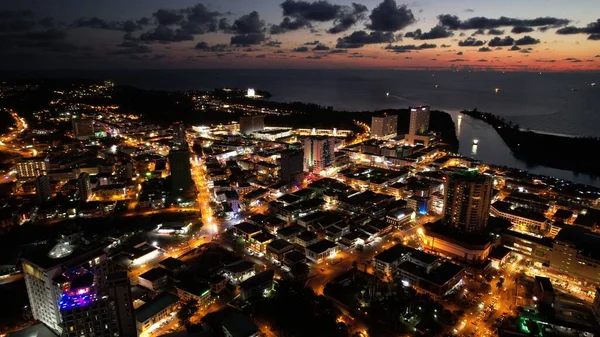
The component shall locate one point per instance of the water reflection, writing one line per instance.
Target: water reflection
(480, 141)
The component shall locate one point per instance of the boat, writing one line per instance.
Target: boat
(475, 141)
(497, 90)
(436, 86)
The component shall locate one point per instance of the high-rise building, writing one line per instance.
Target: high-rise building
(249, 124)
(88, 308)
(419, 124)
(31, 167)
(179, 135)
(319, 153)
(467, 197)
(43, 272)
(291, 164)
(42, 189)
(181, 175)
(85, 187)
(384, 126)
(83, 128)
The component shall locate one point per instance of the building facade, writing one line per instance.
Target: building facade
(419, 124)
(181, 174)
(319, 153)
(467, 197)
(291, 165)
(43, 189)
(384, 126)
(31, 168)
(83, 128)
(250, 124)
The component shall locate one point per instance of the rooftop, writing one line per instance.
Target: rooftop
(439, 275)
(321, 246)
(393, 254)
(258, 280)
(247, 228)
(294, 256)
(239, 266)
(279, 244)
(307, 236)
(154, 274)
(290, 230)
(154, 306)
(586, 241)
(171, 263)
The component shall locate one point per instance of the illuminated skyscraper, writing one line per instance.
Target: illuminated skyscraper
(179, 136)
(419, 123)
(43, 272)
(467, 198)
(319, 153)
(384, 126)
(291, 164)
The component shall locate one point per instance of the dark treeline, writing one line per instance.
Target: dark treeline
(567, 153)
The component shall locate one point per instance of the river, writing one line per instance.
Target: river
(491, 149)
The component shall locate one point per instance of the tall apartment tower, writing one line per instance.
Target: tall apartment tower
(181, 175)
(319, 153)
(83, 128)
(42, 189)
(419, 124)
(119, 291)
(291, 164)
(179, 135)
(467, 197)
(44, 270)
(85, 187)
(384, 126)
(249, 124)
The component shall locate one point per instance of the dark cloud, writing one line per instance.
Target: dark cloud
(497, 41)
(97, 23)
(591, 28)
(143, 21)
(214, 48)
(445, 46)
(459, 53)
(389, 17)
(515, 48)
(248, 24)
(437, 32)
(458, 60)
(129, 48)
(164, 34)
(338, 51)
(321, 11)
(495, 31)
(248, 39)
(314, 57)
(594, 37)
(16, 21)
(454, 23)
(302, 49)
(168, 17)
(484, 49)
(359, 38)
(526, 40)
(273, 43)
(348, 17)
(311, 43)
(289, 25)
(471, 42)
(523, 29)
(574, 60)
(321, 47)
(469, 10)
(409, 47)
(482, 60)
(478, 32)
(261, 56)
(545, 61)
(200, 20)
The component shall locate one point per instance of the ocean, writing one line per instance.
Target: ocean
(558, 103)
(562, 103)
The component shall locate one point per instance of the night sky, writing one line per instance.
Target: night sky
(108, 34)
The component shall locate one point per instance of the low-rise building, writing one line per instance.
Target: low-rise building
(155, 310)
(256, 285)
(321, 250)
(239, 271)
(277, 248)
(190, 290)
(525, 219)
(154, 279)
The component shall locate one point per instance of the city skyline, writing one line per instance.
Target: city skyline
(538, 35)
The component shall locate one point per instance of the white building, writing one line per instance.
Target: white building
(384, 126)
(42, 271)
(419, 125)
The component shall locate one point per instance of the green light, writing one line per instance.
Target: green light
(523, 325)
(205, 293)
(148, 174)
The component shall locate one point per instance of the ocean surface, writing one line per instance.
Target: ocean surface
(558, 103)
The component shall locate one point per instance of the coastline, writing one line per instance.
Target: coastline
(552, 150)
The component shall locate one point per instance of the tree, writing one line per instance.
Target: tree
(187, 311)
(300, 271)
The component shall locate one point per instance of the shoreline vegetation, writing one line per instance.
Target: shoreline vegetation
(561, 152)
